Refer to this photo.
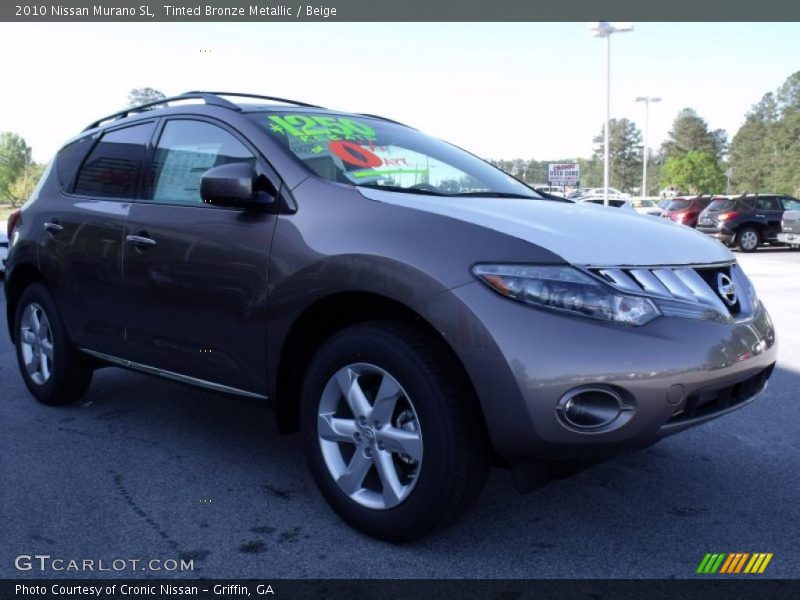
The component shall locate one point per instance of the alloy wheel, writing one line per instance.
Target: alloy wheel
(749, 240)
(36, 340)
(370, 436)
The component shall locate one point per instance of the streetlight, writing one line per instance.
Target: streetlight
(604, 29)
(647, 100)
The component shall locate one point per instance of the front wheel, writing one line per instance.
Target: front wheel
(748, 239)
(54, 371)
(393, 436)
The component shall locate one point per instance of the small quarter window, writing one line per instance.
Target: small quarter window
(113, 167)
(69, 159)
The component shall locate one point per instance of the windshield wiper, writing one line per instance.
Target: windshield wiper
(498, 195)
(397, 188)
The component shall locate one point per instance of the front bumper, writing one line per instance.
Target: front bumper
(675, 372)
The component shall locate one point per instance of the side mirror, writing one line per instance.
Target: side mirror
(233, 184)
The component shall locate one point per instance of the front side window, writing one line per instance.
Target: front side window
(368, 152)
(186, 150)
(113, 167)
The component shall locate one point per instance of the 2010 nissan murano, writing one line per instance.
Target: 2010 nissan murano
(416, 313)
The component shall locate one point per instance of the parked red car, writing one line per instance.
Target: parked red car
(686, 209)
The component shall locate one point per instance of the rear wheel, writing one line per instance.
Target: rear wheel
(54, 370)
(748, 239)
(393, 436)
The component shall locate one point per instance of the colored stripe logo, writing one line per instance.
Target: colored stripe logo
(734, 562)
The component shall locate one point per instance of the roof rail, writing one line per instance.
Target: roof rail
(242, 95)
(209, 98)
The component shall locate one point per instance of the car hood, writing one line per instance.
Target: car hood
(581, 234)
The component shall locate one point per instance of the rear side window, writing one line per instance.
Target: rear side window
(768, 203)
(186, 150)
(115, 164)
(69, 159)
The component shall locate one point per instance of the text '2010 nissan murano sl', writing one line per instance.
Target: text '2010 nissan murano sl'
(414, 312)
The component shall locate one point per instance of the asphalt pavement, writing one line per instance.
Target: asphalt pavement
(148, 469)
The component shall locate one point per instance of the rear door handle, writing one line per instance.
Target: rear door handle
(140, 241)
(52, 226)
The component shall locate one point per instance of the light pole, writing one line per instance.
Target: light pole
(647, 100)
(604, 29)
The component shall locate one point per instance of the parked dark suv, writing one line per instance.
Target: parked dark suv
(416, 313)
(746, 221)
(685, 210)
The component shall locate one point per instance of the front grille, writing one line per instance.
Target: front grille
(711, 401)
(687, 284)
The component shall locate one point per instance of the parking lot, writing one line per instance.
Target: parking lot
(146, 469)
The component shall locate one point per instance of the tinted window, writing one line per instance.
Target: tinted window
(69, 159)
(791, 204)
(768, 203)
(113, 167)
(679, 204)
(186, 150)
(720, 204)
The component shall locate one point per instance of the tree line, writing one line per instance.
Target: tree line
(764, 155)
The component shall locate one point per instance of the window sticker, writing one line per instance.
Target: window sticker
(354, 154)
(181, 171)
(321, 128)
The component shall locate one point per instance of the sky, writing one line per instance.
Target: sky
(500, 90)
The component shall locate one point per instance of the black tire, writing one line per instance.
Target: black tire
(456, 454)
(744, 239)
(71, 371)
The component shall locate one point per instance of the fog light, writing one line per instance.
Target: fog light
(590, 407)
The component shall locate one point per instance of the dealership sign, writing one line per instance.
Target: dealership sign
(563, 173)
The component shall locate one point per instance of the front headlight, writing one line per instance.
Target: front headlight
(567, 290)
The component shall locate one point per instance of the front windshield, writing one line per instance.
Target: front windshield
(369, 152)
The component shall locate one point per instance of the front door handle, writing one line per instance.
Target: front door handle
(52, 226)
(140, 241)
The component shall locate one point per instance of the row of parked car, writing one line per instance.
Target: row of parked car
(744, 221)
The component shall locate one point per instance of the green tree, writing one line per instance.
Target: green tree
(765, 152)
(696, 172)
(138, 96)
(751, 157)
(15, 155)
(24, 184)
(690, 132)
(624, 154)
